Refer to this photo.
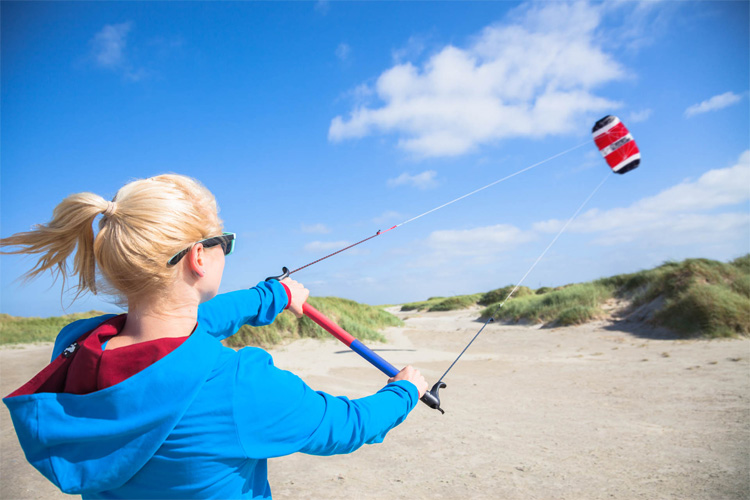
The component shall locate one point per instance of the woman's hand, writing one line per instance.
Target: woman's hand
(299, 296)
(412, 375)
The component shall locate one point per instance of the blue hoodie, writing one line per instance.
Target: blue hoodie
(200, 422)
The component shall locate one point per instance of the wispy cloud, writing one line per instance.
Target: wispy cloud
(322, 247)
(388, 216)
(325, 246)
(166, 46)
(717, 102)
(685, 214)
(639, 22)
(343, 51)
(530, 78)
(315, 228)
(639, 116)
(472, 246)
(425, 180)
(108, 49)
(109, 44)
(413, 48)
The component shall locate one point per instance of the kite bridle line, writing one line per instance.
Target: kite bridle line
(431, 397)
(525, 169)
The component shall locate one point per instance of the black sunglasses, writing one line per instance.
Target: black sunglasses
(226, 241)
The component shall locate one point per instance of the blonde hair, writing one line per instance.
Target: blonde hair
(147, 222)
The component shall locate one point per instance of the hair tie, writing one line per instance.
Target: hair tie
(110, 210)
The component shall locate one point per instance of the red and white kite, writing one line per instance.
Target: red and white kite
(616, 144)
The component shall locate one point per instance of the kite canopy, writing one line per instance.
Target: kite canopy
(616, 144)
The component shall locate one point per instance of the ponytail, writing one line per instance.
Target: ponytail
(148, 221)
(70, 230)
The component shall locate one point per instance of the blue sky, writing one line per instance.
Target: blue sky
(317, 124)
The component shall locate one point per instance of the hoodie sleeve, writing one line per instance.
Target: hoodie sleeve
(278, 414)
(223, 315)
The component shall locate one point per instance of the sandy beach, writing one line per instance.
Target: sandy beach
(604, 410)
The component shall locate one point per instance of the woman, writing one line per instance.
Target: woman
(150, 404)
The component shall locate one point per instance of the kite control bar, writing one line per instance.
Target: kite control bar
(431, 398)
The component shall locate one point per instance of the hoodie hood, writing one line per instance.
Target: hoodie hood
(98, 441)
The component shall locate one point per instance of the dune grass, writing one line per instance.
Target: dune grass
(696, 297)
(361, 320)
(571, 305)
(693, 298)
(500, 294)
(434, 304)
(423, 305)
(18, 330)
(702, 297)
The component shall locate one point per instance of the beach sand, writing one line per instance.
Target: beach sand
(603, 410)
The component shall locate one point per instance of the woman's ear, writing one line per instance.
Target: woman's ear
(196, 260)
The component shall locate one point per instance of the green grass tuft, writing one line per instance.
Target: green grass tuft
(500, 294)
(19, 330)
(569, 305)
(435, 304)
(360, 320)
(702, 297)
(707, 310)
(455, 303)
(422, 305)
(578, 315)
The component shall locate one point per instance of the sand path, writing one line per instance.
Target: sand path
(598, 411)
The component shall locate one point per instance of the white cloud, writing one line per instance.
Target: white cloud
(343, 51)
(528, 79)
(108, 49)
(425, 180)
(639, 23)
(639, 116)
(715, 103)
(684, 214)
(388, 216)
(413, 48)
(109, 44)
(325, 246)
(361, 93)
(480, 245)
(315, 228)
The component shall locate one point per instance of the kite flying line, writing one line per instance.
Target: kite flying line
(438, 385)
(621, 153)
(443, 205)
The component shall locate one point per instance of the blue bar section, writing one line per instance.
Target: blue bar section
(378, 362)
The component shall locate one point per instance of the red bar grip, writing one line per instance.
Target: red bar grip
(327, 324)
